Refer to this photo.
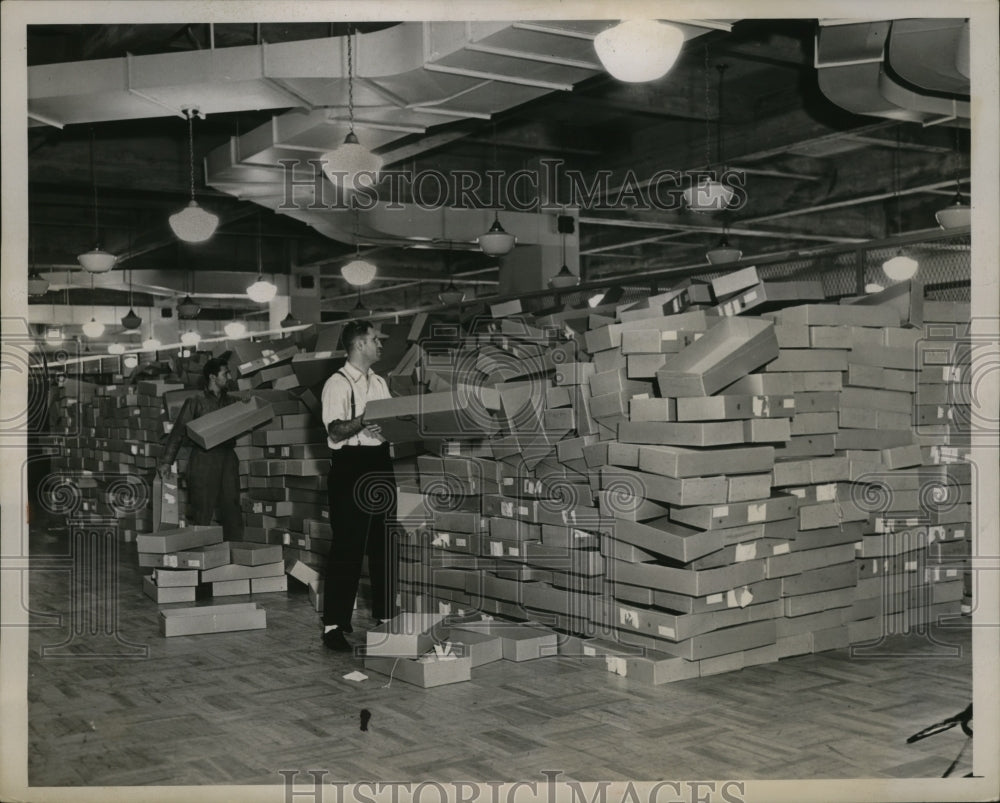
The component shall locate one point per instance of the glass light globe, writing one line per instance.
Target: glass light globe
(97, 261)
(639, 50)
(358, 272)
(191, 338)
(93, 328)
(131, 361)
(193, 224)
(235, 329)
(900, 267)
(873, 287)
(343, 165)
(262, 291)
(151, 344)
(116, 348)
(708, 196)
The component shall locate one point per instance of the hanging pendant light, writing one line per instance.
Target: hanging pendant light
(130, 321)
(496, 242)
(193, 224)
(958, 214)
(343, 165)
(98, 260)
(235, 329)
(901, 266)
(451, 294)
(358, 272)
(723, 253)
(116, 348)
(565, 277)
(261, 291)
(151, 344)
(359, 307)
(707, 194)
(190, 338)
(639, 50)
(187, 309)
(93, 328)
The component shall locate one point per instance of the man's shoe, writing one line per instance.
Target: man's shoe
(336, 640)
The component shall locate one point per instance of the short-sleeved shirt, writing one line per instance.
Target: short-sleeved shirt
(337, 401)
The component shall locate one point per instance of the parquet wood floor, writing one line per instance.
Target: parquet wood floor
(235, 708)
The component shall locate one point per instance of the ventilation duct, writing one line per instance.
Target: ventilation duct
(914, 70)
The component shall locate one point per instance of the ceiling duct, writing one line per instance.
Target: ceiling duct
(413, 82)
(914, 70)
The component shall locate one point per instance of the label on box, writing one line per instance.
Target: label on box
(910, 566)
(750, 295)
(959, 534)
(667, 632)
(760, 405)
(134, 449)
(746, 552)
(193, 563)
(507, 509)
(514, 552)
(508, 480)
(460, 541)
(444, 608)
(628, 617)
(640, 396)
(790, 403)
(781, 549)
(756, 513)
(287, 539)
(170, 561)
(719, 512)
(826, 493)
(670, 335)
(739, 597)
(714, 599)
(441, 539)
(799, 492)
(587, 650)
(616, 665)
(580, 534)
(496, 549)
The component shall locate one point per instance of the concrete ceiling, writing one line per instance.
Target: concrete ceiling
(815, 172)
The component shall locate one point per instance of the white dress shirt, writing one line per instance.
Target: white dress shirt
(337, 401)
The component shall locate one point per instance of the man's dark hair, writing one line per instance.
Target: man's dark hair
(212, 367)
(353, 331)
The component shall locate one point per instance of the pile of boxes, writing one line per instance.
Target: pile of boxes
(429, 649)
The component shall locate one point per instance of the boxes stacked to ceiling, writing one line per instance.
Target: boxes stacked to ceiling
(945, 423)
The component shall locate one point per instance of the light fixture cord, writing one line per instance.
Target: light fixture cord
(93, 181)
(190, 116)
(260, 260)
(718, 119)
(708, 127)
(895, 180)
(350, 77)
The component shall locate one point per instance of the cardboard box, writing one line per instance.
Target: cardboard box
(227, 423)
(174, 578)
(267, 585)
(709, 517)
(734, 281)
(481, 648)
(675, 461)
(247, 553)
(230, 588)
(167, 594)
(166, 509)
(653, 668)
(406, 635)
(693, 583)
(724, 354)
(233, 571)
(519, 642)
(427, 671)
(712, 433)
(734, 407)
(454, 413)
(212, 619)
(204, 557)
(179, 538)
(671, 490)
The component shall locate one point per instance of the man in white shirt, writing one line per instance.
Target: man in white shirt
(361, 488)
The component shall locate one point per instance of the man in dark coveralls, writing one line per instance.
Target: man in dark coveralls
(213, 477)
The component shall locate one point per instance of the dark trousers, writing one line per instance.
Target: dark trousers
(362, 492)
(213, 484)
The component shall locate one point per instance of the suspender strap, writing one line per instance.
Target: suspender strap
(350, 384)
